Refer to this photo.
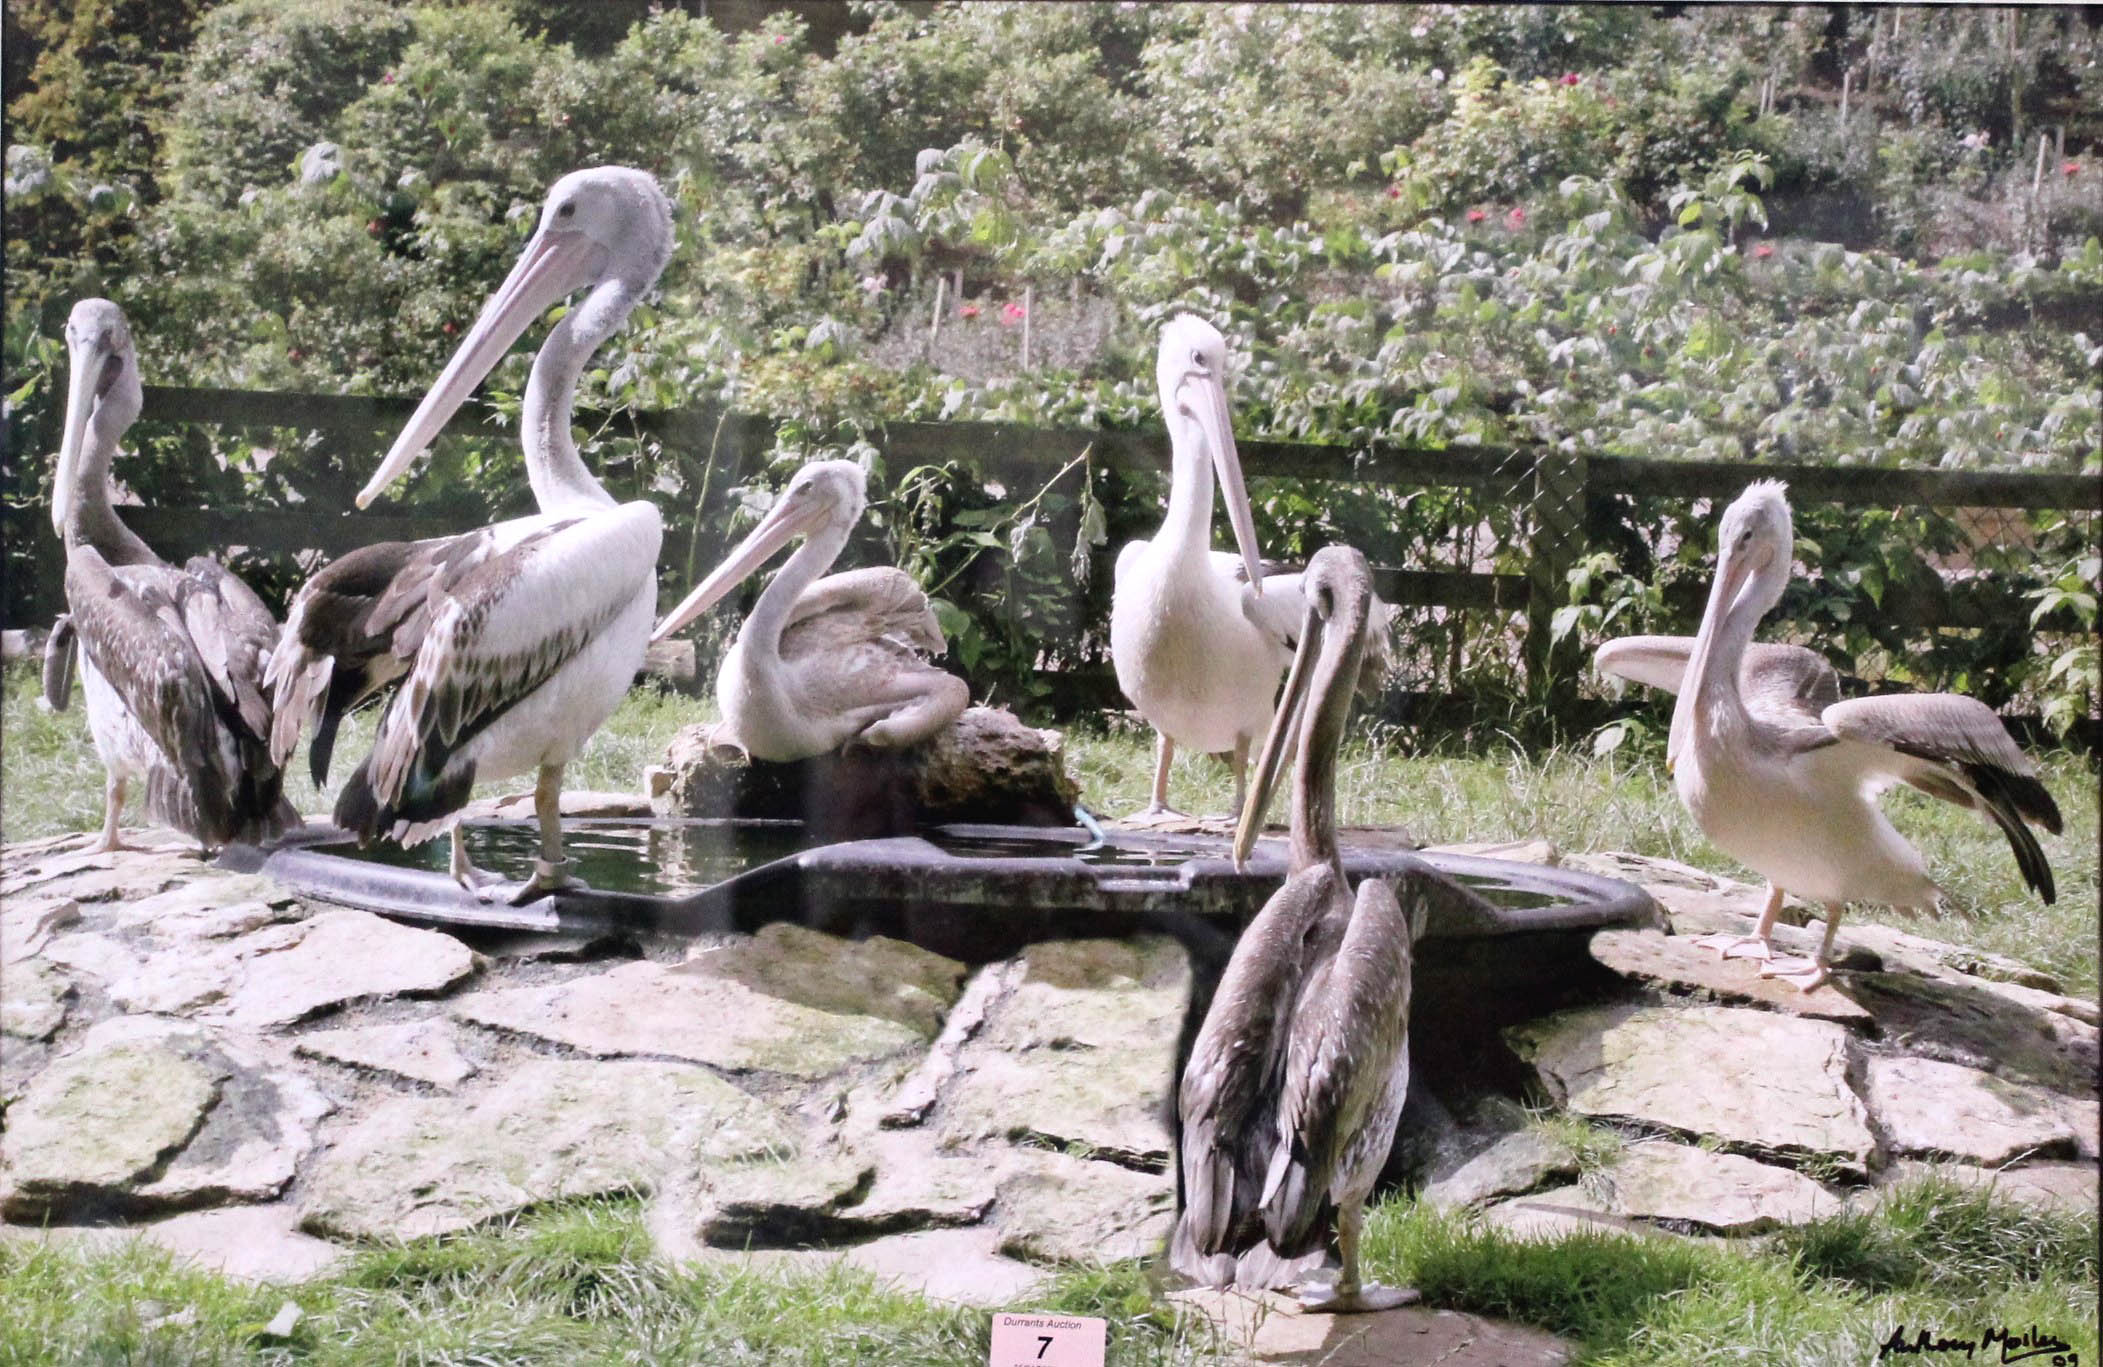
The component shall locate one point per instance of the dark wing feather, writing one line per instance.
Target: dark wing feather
(58, 664)
(234, 633)
(1776, 679)
(855, 606)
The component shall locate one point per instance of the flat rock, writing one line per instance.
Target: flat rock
(215, 906)
(421, 1051)
(1512, 1165)
(1920, 954)
(1721, 1193)
(1080, 1053)
(552, 1129)
(784, 1200)
(1735, 913)
(964, 1266)
(1970, 1022)
(1517, 851)
(646, 1008)
(33, 1004)
(28, 923)
(882, 977)
(98, 956)
(248, 1243)
(1654, 873)
(336, 958)
(1558, 1212)
(1757, 1080)
(1060, 1209)
(2085, 1118)
(1676, 965)
(1269, 1327)
(1932, 1109)
(2070, 1187)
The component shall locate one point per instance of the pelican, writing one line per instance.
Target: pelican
(822, 663)
(1200, 637)
(1295, 1084)
(514, 642)
(1784, 776)
(172, 660)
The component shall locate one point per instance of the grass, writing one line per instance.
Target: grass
(579, 1284)
(50, 781)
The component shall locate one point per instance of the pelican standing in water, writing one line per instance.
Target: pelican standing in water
(518, 640)
(1784, 776)
(1199, 637)
(1296, 1081)
(172, 660)
(822, 663)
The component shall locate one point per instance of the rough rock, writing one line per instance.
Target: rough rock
(889, 979)
(249, 1243)
(1057, 1208)
(1971, 1023)
(1555, 1212)
(1719, 1192)
(1516, 1163)
(553, 1129)
(1661, 877)
(210, 908)
(339, 957)
(785, 1199)
(1928, 1108)
(2085, 1118)
(421, 1050)
(1752, 1079)
(959, 1265)
(986, 767)
(97, 956)
(1268, 1327)
(1734, 913)
(33, 1005)
(1677, 966)
(1517, 851)
(645, 1008)
(1080, 1053)
(2070, 1187)
(150, 1114)
(28, 923)
(96, 877)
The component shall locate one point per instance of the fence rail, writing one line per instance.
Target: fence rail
(1555, 490)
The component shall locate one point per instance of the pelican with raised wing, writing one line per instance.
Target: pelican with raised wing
(825, 662)
(1296, 1081)
(171, 660)
(1783, 775)
(1199, 637)
(515, 642)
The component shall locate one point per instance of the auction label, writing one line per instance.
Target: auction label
(1047, 1341)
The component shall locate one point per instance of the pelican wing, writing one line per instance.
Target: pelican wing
(131, 628)
(1231, 1081)
(1345, 1073)
(58, 664)
(1776, 676)
(500, 630)
(355, 627)
(1955, 748)
(1282, 607)
(235, 635)
(855, 606)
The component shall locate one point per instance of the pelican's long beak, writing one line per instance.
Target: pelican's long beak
(780, 526)
(555, 264)
(1691, 711)
(93, 365)
(1285, 726)
(1207, 402)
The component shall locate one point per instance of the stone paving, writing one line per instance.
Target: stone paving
(262, 1084)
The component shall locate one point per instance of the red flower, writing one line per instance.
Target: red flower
(1476, 215)
(449, 329)
(968, 311)
(1011, 312)
(2070, 168)
(1613, 329)
(1763, 250)
(1394, 192)
(372, 227)
(387, 78)
(1569, 78)
(1516, 219)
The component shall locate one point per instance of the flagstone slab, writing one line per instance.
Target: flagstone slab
(1061, 1209)
(288, 973)
(1931, 1109)
(421, 1050)
(1676, 965)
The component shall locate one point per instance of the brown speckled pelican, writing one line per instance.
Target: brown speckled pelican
(513, 643)
(1296, 1081)
(1782, 774)
(822, 663)
(172, 660)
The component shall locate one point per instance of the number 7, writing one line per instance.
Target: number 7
(1044, 1341)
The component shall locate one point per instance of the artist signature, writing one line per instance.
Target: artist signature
(2016, 1345)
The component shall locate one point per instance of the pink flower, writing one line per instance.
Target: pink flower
(1011, 312)
(2070, 168)
(873, 285)
(1763, 250)
(1570, 78)
(779, 40)
(1476, 215)
(1394, 192)
(1516, 219)
(387, 78)
(968, 311)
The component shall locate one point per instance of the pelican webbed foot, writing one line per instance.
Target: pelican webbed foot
(1333, 1298)
(1806, 975)
(1158, 814)
(549, 876)
(1738, 946)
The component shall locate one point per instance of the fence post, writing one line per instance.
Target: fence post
(1557, 517)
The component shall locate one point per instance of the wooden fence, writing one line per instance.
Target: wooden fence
(1554, 490)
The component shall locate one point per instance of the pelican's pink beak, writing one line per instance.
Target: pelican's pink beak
(781, 525)
(1204, 398)
(89, 374)
(1285, 728)
(1692, 709)
(555, 265)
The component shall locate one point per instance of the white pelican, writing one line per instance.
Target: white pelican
(517, 640)
(1296, 1081)
(172, 660)
(1200, 637)
(822, 663)
(1784, 776)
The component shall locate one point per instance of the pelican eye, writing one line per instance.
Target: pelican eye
(567, 210)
